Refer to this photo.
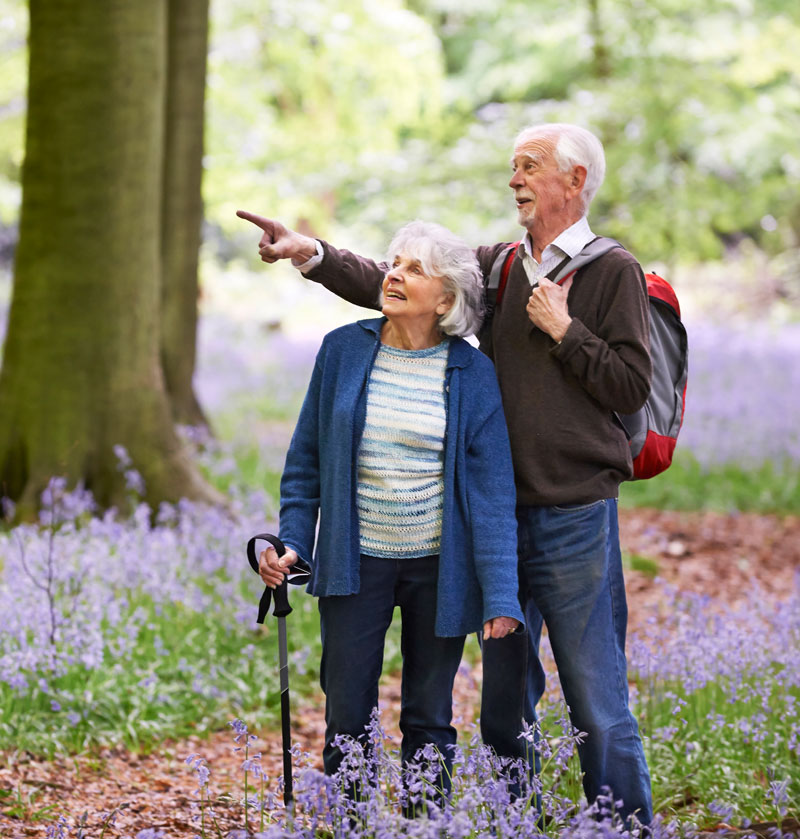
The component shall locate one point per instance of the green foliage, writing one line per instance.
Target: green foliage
(190, 672)
(13, 67)
(725, 742)
(692, 115)
(349, 118)
(509, 51)
(686, 485)
(710, 760)
(297, 98)
(23, 805)
(637, 562)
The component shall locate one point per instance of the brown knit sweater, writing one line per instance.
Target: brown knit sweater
(559, 399)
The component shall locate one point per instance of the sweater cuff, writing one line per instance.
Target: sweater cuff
(573, 338)
(500, 608)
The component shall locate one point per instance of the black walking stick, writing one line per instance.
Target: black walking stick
(296, 576)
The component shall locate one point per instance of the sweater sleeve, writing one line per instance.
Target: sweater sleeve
(350, 276)
(613, 364)
(300, 482)
(492, 503)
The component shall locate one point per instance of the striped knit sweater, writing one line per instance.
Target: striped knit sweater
(401, 455)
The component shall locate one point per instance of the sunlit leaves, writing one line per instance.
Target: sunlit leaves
(300, 92)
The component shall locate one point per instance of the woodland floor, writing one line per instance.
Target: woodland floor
(719, 555)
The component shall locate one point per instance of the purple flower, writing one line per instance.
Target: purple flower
(780, 795)
(59, 830)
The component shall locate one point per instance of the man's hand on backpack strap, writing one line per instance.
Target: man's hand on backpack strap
(547, 308)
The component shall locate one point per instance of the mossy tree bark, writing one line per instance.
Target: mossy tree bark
(81, 367)
(187, 49)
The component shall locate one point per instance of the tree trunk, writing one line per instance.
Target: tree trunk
(187, 48)
(602, 59)
(81, 368)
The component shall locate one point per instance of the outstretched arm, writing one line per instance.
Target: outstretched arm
(351, 277)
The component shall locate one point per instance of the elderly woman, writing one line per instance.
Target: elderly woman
(401, 450)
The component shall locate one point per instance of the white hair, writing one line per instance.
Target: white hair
(573, 146)
(443, 254)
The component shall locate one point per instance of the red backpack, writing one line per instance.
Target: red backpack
(653, 430)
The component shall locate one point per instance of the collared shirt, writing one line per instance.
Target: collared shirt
(569, 242)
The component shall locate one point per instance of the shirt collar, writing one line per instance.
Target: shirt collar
(570, 241)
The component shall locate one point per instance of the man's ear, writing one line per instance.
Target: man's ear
(577, 178)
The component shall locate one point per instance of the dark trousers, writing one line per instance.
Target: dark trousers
(353, 633)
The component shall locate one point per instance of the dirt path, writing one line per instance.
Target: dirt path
(703, 552)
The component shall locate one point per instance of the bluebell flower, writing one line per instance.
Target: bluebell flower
(59, 830)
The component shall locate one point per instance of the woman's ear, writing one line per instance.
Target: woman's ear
(444, 306)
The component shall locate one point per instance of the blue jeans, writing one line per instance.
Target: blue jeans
(353, 634)
(571, 579)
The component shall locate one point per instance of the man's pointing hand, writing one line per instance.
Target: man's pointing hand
(278, 242)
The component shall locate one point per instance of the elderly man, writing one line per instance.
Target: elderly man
(568, 358)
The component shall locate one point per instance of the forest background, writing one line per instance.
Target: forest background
(345, 120)
(151, 361)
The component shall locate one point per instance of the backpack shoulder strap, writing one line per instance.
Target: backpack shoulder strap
(495, 282)
(594, 249)
(512, 252)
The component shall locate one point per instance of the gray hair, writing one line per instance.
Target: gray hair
(574, 146)
(443, 254)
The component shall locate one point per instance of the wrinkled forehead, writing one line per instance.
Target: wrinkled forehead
(534, 148)
(415, 252)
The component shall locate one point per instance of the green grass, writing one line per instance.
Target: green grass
(194, 679)
(251, 470)
(686, 485)
(189, 673)
(637, 562)
(710, 750)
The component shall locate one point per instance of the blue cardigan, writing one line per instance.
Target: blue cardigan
(478, 553)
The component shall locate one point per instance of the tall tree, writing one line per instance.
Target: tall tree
(81, 369)
(602, 59)
(181, 221)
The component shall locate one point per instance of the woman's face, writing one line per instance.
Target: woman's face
(411, 294)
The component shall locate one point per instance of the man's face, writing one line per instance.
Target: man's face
(541, 190)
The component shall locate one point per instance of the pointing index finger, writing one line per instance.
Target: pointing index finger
(259, 221)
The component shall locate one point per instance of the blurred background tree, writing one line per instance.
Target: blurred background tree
(182, 202)
(81, 372)
(346, 118)
(344, 114)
